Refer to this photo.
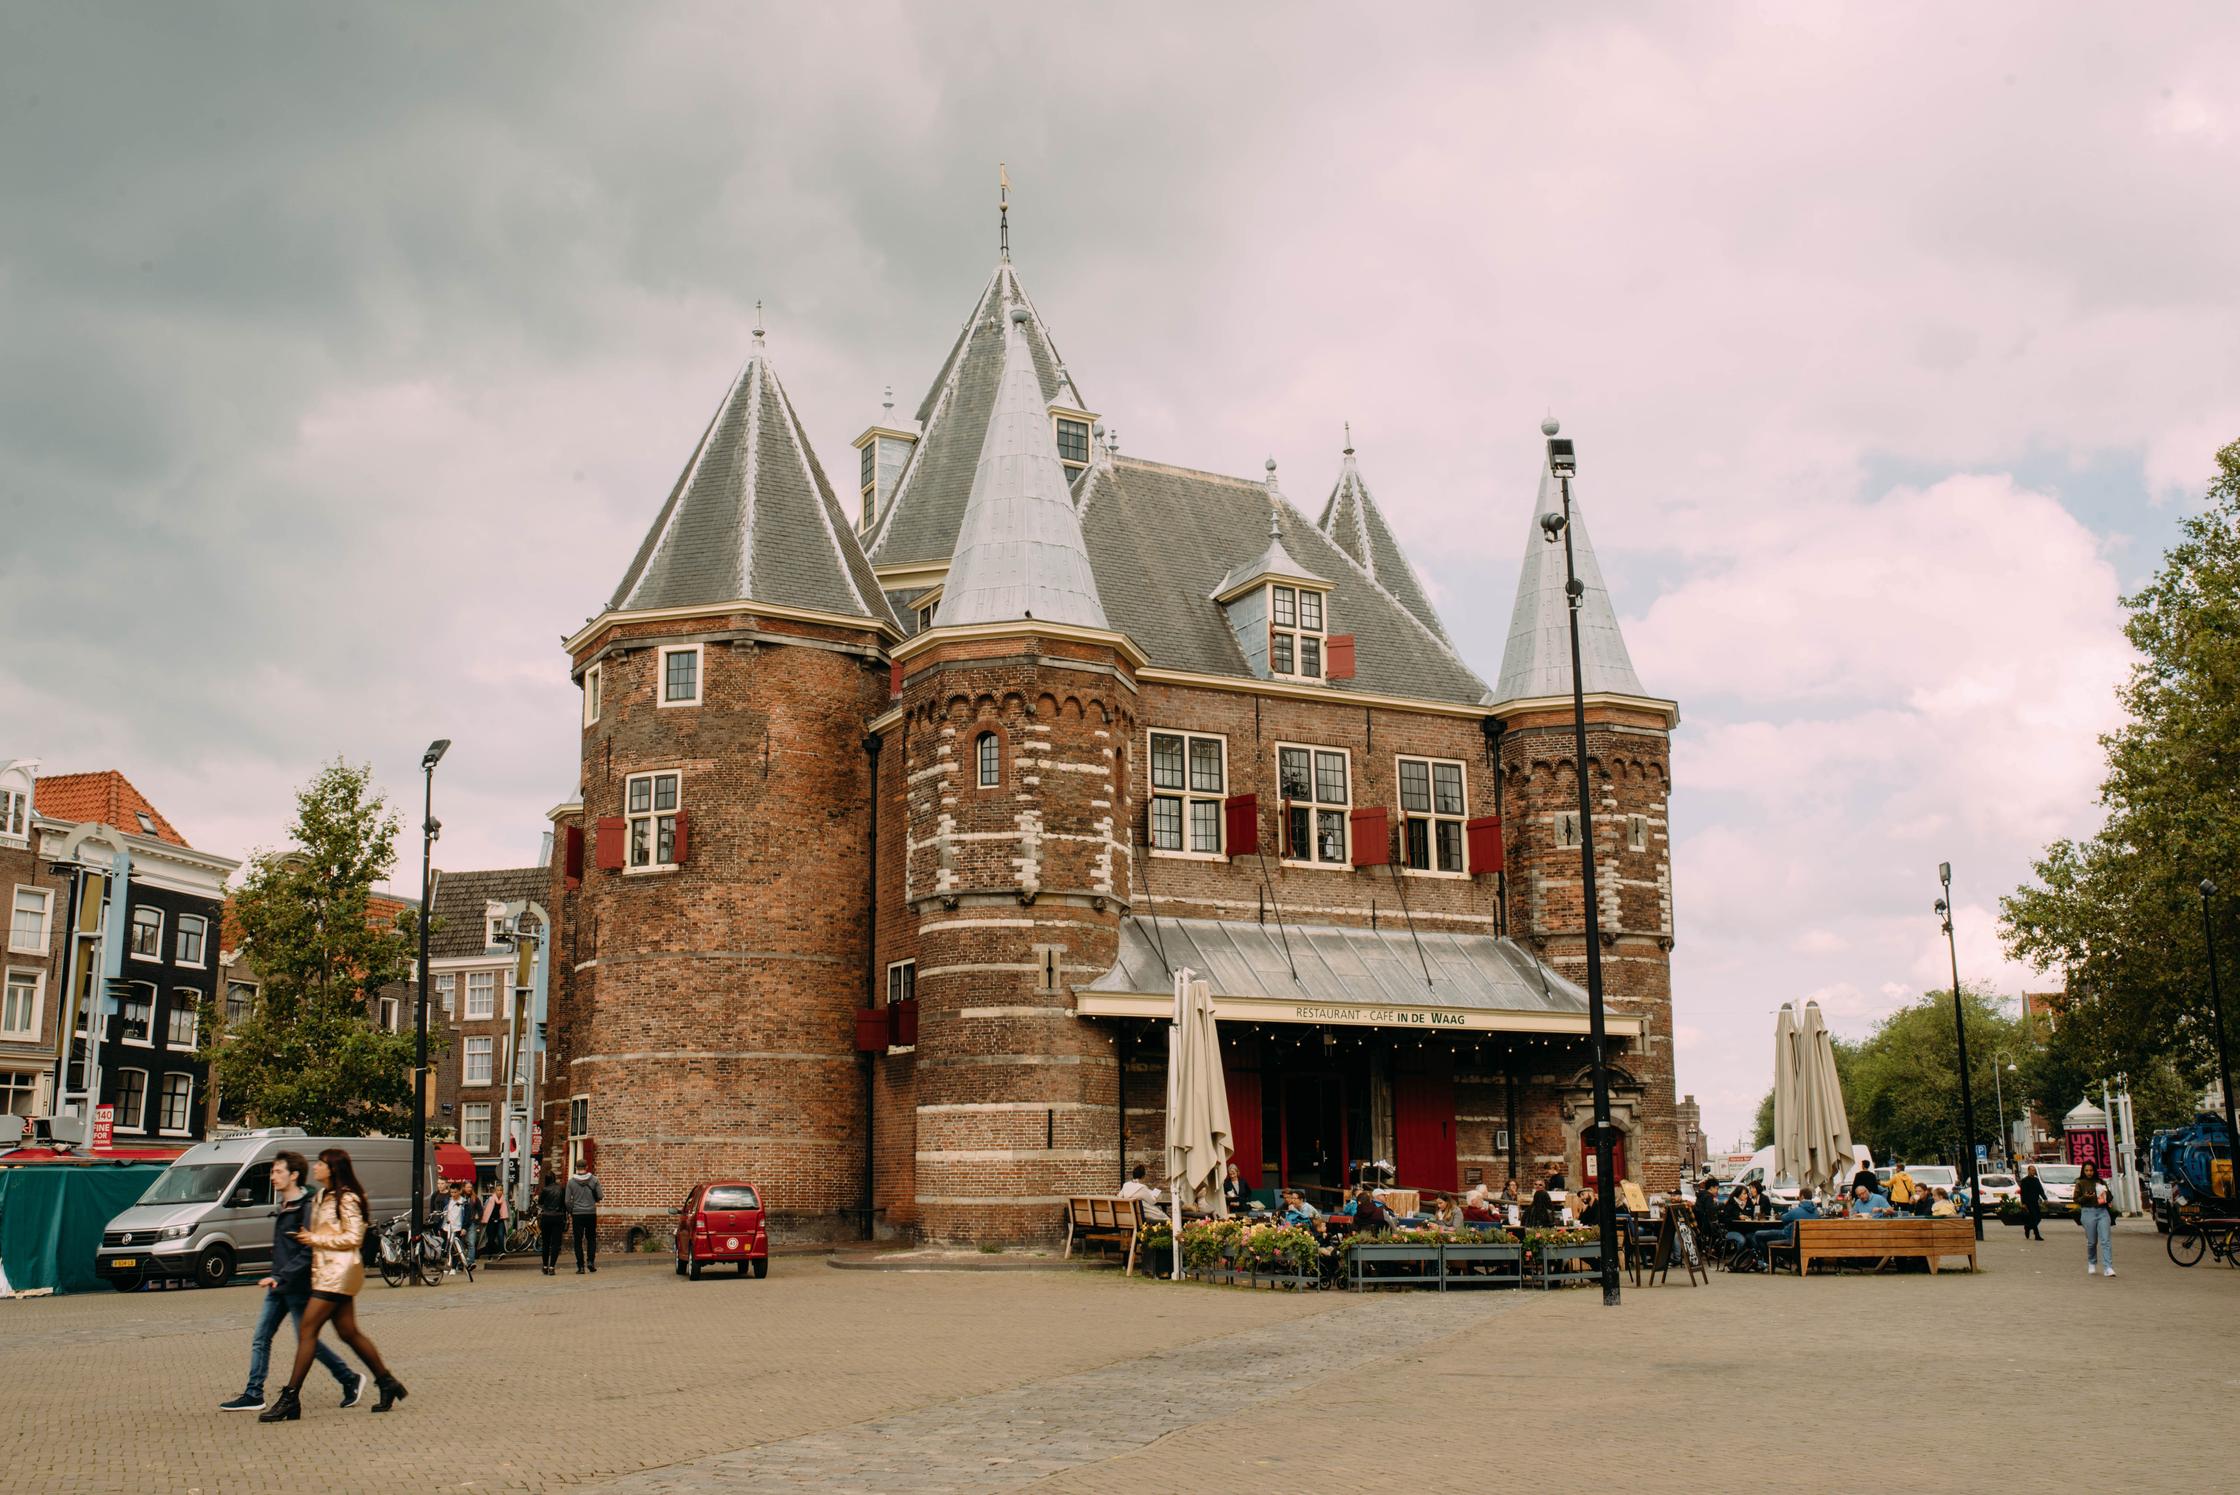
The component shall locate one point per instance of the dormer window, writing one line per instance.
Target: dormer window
(15, 812)
(1296, 633)
(886, 452)
(1073, 442)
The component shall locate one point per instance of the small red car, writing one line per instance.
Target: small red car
(722, 1222)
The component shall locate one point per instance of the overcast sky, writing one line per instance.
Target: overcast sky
(346, 352)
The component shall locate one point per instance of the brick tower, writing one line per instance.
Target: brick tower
(712, 882)
(1017, 708)
(1629, 764)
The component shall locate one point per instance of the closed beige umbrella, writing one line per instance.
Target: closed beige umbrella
(1199, 1142)
(1788, 1122)
(1826, 1149)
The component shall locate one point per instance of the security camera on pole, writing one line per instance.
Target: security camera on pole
(1563, 462)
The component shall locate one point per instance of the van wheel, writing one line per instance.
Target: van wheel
(762, 1266)
(214, 1267)
(129, 1284)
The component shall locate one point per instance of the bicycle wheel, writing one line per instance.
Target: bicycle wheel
(392, 1270)
(2185, 1244)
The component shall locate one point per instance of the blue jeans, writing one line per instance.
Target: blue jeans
(2099, 1234)
(279, 1305)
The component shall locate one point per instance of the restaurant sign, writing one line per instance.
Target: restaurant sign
(1258, 1009)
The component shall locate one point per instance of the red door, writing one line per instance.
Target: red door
(1588, 1161)
(1244, 1123)
(1423, 1131)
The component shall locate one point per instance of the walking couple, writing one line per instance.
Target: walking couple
(316, 1274)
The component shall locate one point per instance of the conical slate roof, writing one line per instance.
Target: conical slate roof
(1537, 660)
(922, 518)
(752, 519)
(1353, 523)
(1019, 548)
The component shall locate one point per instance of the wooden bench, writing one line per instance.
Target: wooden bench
(1882, 1240)
(1097, 1217)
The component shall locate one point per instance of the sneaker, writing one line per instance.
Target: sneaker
(354, 1392)
(243, 1403)
(2090, 1270)
(2110, 1272)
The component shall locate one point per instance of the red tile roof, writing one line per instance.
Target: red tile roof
(106, 797)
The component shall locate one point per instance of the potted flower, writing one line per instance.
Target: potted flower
(1395, 1256)
(1564, 1247)
(1484, 1254)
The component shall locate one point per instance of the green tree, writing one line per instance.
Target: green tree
(1901, 1085)
(310, 1054)
(2119, 914)
(1761, 1134)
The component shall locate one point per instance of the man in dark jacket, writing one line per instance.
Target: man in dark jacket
(2033, 1203)
(583, 1195)
(288, 1289)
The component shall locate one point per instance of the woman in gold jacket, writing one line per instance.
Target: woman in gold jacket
(334, 1231)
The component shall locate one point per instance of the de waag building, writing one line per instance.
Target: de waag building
(894, 826)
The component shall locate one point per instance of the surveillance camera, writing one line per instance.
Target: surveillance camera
(1551, 523)
(1941, 909)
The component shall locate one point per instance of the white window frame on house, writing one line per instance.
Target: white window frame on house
(1059, 420)
(1297, 638)
(579, 1127)
(139, 1118)
(482, 996)
(591, 679)
(249, 1002)
(1565, 827)
(1637, 833)
(23, 998)
(19, 942)
(661, 696)
(484, 1047)
(201, 930)
(185, 1126)
(447, 991)
(15, 815)
(19, 1092)
(147, 997)
(1433, 816)
(650, 834)
(184, 1000)
(1317, 808)
(902, 981)
(132, 935)
(987, 761)
(390, 1012)
(468, 1120)
(1186, 797)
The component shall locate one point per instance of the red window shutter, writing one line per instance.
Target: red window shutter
(1284, 848)
(1484, 836)
(1240, 827)
(1337, 657)
(904, 1020)
(608, 850)
(677, 842)
(894, 678)
(1372, 837)
(590, 1147)
(571, 856)
(871, 1030)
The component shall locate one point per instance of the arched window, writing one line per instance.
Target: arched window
(990, 757)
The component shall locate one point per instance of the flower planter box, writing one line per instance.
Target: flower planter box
(1550, 1258)
(1395, 1264)
(1482, 1264)
(1232, 1276)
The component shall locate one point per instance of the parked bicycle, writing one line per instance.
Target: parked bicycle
(2189, 1238)
(401, 1254)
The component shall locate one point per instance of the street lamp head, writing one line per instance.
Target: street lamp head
(1551, 526)
(1563, 460)
(2208, 888)
(1944, 873)
(434, 754)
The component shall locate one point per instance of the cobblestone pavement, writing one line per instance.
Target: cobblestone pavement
(634, 1382)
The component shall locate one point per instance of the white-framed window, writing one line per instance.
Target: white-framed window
(138, 1009)
(1072, 433)
(482, 995)
(241, 1001)
(447, 992)
(1317, 788)
(194, 935)
(477, 1061)
(902, 981)
(132, 1100)
(650, 802)
(591, 695)
(474, 1126)
(147, 933)
(1433, 801)
(391, 1013)
(183, 1024)
(178, 1104)
(925, 615)
(1567, 830)
(1637, 833)
(579, 1127)
(679, 684)
(19, 1092)
(30, 920)
(21, 1001)
(987, 757)
(15, 813)
(1297, 618)
(1189, 781)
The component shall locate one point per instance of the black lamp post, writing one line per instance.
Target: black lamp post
(429, 830)
(1960, 1029)
(2216, 1012)
(1563, 462)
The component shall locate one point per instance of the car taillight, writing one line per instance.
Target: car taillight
(700, 1221)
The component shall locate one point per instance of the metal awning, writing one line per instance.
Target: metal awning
(1347, 976)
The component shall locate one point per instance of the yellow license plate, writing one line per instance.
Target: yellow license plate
(125, 1261)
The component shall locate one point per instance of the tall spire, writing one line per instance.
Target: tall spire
(1003, 212)
(1019, 551)
(1537, 661)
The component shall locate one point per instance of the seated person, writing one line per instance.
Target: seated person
(1368, 1213)
(1763, 1241)
(1477, 1209)
(1942, 1207)
(1541, 1213)
(1707, 1211)
(1866, 1204)
(1296, 1210)
(1136, 1188)
(1233, 1191)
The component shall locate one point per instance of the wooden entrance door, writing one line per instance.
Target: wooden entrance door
(1423, 1131)
(1587, 1160)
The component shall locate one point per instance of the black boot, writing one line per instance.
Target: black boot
(392, 1392)
(285, 1407)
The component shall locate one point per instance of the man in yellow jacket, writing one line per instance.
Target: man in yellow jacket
(1903, 1190)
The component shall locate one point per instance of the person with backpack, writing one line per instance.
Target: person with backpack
(552, 1219)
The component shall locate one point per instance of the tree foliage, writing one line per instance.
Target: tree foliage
(2120, 914)
(1761, 1132)
(310, 1054)
(1901, 1084)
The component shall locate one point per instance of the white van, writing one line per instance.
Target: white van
(209, 1215)
(1759, 1170)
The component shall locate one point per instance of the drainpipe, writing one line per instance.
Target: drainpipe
(1490, 728)
(871, 744)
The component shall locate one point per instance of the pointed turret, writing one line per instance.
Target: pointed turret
(1019, 550)
(1354, 524)
(1536, 664)
(752, 519)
